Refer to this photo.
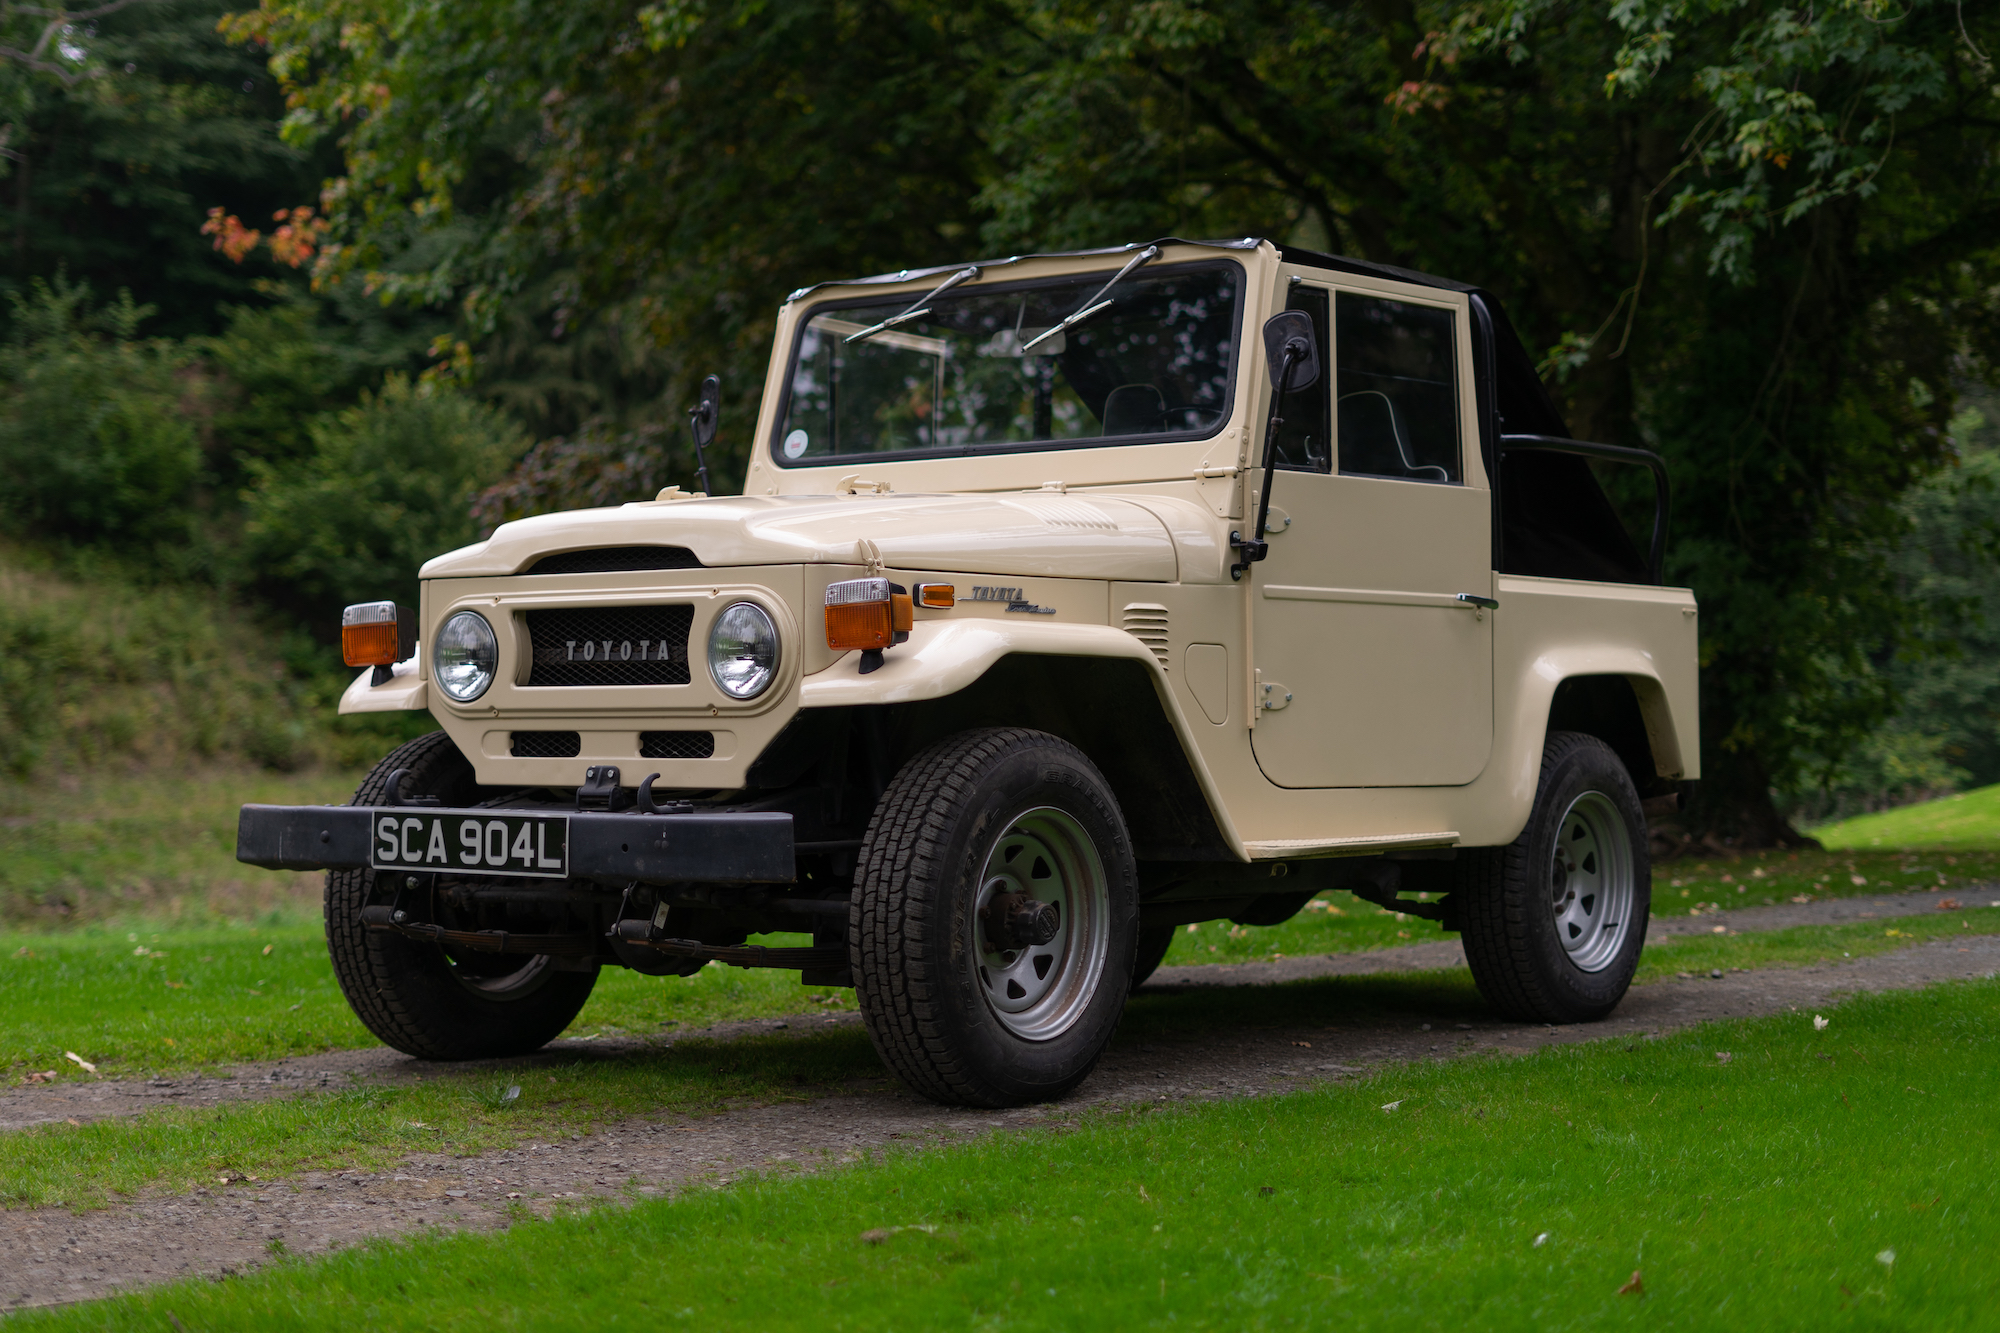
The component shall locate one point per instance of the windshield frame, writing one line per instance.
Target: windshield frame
(890, 302)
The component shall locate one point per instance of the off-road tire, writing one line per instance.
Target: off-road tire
(1154, 941)
(405, 991)
(915, 940)
(1507, 910)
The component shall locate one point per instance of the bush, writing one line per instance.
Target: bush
(385, 486)
(98, 670)
(598, 466)
(96, 442)
(1945, 734)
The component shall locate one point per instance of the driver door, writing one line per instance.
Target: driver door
(1371, 672)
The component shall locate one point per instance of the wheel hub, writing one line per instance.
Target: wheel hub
(1021, 921)
(1592, 881)
(1043, 924)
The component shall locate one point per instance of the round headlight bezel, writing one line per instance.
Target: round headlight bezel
(763, 674)
(452, 653)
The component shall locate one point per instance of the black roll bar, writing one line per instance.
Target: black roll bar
(1663, 497)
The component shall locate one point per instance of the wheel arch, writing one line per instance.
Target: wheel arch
(1094, 686)
(1628, 713)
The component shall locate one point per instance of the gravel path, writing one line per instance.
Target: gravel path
(50, 1256)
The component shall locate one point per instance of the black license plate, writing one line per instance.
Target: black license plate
(494, 843)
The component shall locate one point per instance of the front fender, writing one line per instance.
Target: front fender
(944, 657)
(408, 687)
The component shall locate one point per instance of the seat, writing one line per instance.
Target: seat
(1135, 409)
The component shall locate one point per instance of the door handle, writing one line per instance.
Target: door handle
(1483, 603)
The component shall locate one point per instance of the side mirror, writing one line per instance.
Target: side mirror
(702, 416)
(701, 421)
(1289, 337)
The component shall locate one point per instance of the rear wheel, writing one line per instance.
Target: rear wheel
(994, 919)
(420, 998)
(1554, 921)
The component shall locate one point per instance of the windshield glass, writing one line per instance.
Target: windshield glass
(1153, 364)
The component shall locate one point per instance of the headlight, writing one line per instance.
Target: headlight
(465, 656)
(743, 651)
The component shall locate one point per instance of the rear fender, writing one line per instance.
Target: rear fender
(1669, 740)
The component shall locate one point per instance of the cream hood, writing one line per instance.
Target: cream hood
(1026, 534)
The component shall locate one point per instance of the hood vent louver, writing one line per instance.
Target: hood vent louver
(615, 560)
(1147, 622)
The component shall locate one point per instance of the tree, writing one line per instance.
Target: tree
(120, 126)
(1761, 240)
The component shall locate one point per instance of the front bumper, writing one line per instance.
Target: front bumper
(739, 848)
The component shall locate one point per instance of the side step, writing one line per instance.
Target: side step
(1299, 849)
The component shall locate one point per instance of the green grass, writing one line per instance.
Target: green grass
(1835, 1177)
(372, 1126)
(1970, 819)
(1756, 878)
(1796, 946)
(142, 1001)
(132, 1001)
(1335, 922)
(157, 849)
(183, 1149)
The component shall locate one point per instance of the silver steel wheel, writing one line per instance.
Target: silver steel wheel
(1590, 881)
(1039, 989)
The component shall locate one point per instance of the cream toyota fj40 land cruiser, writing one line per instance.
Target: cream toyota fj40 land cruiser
(1070, 599)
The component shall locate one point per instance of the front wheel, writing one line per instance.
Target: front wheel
(423, 999)
(1553, 922)
(994, 919)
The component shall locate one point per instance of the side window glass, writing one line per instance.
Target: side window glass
(1304, 442)
(1396, 383)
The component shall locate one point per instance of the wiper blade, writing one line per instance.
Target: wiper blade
(1095, 303)
(921, 308)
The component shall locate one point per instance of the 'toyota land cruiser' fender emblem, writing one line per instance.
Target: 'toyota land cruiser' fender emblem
(1013, 598)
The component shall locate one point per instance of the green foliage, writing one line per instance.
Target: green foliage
(1760, 240)
(95, 671)
(585, 180)
(95, 444)
(137, 123)
(388, 484)
(596, 468)
(1945, 731)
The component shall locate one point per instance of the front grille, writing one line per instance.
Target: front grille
(615, 560)
(544, 745)
(676, 744)
(620, 645)
(1147, 622)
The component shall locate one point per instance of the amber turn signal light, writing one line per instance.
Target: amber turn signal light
(377, 634)
(867, 614)
(858, 615)
(937, 596)
(863, 626)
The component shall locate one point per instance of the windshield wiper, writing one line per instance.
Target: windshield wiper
(1094, 304)
(922, 307)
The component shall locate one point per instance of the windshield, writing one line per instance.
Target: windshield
(1152, 363)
